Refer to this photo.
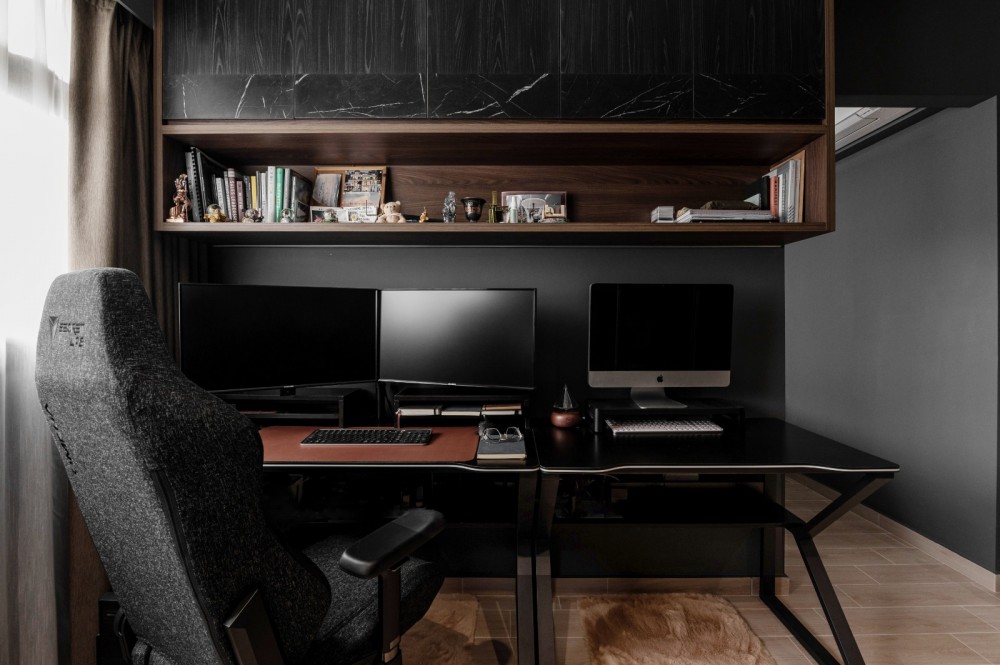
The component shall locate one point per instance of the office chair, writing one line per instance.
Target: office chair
(168, 478)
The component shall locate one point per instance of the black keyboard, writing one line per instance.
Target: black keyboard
(373, 436)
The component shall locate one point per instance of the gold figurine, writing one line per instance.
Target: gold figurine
(179, 212)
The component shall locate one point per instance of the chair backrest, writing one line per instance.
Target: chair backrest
(168, 477)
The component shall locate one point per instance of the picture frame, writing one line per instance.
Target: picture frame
(532, 207)
(323, 214)
(341, 215)
(360, 186)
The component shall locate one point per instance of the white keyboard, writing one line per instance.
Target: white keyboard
(661, 426)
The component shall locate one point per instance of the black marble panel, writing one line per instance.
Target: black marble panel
(360, 96)
(763, 97)
(494, 96)
(626, 96)
(626, 36)
(227, 96)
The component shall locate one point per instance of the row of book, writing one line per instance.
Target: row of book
(775, 197)
(269, 191)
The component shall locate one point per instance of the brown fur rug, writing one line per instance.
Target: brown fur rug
(669, 629)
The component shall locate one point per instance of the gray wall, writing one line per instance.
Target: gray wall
(562, 276)
(891, 324)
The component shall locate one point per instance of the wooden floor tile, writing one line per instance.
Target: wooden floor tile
(917, 595)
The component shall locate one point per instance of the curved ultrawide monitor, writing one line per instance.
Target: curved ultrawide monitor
(461, 337)
(660, 335)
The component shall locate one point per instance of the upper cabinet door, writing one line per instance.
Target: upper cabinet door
(493, 58)
(626, 59)
(228, 60)
(759, 59)
(362, 59)
(294, 59)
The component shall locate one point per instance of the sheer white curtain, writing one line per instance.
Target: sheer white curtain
(34, 77)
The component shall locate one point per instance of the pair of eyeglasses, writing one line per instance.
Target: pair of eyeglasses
(493, 434)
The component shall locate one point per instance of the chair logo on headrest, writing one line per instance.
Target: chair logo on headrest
(71, 332)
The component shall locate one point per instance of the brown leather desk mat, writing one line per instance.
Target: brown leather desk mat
(283, 445)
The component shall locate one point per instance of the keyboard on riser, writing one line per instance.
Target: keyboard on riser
(360, 436)
(661, 426)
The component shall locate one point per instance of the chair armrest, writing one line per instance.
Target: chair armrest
(389, 545)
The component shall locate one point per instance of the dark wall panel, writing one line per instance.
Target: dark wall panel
(917, 52)
(562, 277)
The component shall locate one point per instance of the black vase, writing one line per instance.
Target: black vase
(473, 208)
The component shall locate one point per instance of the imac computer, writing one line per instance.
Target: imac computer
(648, 337)
(248, 337)
(477, 338)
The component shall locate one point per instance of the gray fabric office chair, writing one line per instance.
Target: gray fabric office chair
(168, 478)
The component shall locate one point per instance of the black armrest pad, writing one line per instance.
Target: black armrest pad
(387, 547)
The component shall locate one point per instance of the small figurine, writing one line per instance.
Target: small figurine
(179, 212)
(565, 413)
(390, 214)
(287, 216)
(449, 208)
(214, 214)
(423, 215)
(251, 216)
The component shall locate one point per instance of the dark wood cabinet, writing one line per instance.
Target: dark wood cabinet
(532, 59)
(624, 104)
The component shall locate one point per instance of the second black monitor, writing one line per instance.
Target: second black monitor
(462, 337)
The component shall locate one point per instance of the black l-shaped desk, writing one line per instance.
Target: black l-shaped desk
(764, 451)
(767, 449)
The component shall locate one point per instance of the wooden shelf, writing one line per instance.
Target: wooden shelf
(463, 233)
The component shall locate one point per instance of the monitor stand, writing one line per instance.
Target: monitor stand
(654, 398)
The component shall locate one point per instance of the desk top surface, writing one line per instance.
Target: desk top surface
(450, 447)
(766, 445)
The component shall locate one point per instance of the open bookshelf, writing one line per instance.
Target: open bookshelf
(614, 174)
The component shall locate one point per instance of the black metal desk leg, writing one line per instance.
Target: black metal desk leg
(548, 491)
(803, 532)
(772, 544)
(527, 490)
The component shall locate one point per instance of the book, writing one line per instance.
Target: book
(254, 198)
(423, 410)
(208, 169)
(269, 216)
(505, 449)
(688, 215)
(220, 195)
(462, 411)
(231, 201)
(241, 205)
(194, 191)
(279, 192)
(790, 188)
(300, 196)
(287, 192)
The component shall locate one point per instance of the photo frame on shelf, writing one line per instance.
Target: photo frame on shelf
(359, 186)
(533, 207)
(323, 214)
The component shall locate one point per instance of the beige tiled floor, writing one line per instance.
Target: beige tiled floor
(905, 607)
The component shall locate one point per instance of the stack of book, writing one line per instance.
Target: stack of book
(269, 190)
(775, 197)
(688, 215)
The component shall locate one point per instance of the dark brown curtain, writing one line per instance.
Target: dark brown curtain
(110, 223)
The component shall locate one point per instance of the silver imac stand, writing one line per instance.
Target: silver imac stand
(654, 398)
